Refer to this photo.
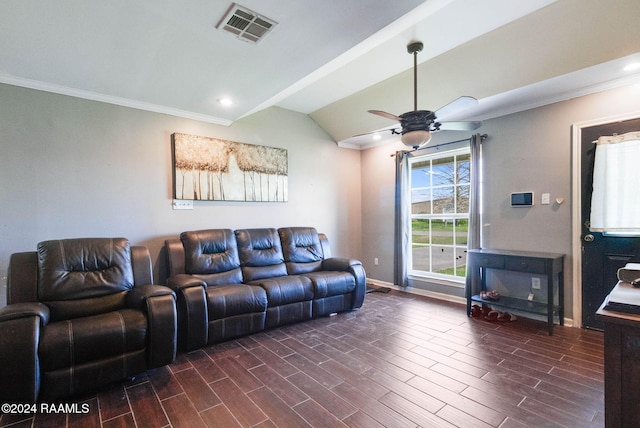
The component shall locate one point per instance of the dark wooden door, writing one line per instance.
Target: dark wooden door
(602, 255)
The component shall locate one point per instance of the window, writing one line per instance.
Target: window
(440, 185)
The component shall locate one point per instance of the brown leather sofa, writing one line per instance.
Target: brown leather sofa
(232, 283)
(81, 313)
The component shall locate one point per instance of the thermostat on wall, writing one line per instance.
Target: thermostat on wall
(522, 199)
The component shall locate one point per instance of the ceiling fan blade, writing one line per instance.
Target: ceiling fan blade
(385, 114)
(394, 129)
(455, 106)
(460, 126)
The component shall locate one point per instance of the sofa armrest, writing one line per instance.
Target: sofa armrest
(193, 314)
(357, 270)
(25, 310)
(22, 277)
(175, 256)
(182, 281)
(21, 324)
(338, 263)
(159, 304)
(141, 264)
(137, 297)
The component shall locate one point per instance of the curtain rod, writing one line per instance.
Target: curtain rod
(482, 138)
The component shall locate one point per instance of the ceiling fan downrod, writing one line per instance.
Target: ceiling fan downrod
(414, 48)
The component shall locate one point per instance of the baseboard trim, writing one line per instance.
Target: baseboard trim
(568, 322)
(420, 292)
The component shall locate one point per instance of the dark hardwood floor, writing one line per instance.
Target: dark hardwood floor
(400, 361)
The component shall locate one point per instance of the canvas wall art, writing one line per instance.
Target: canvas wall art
(213, 169)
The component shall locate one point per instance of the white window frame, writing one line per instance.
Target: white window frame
(456, 280)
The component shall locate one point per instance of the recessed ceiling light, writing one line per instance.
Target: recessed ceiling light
(632, 67)
(377, 136)
(225, 101)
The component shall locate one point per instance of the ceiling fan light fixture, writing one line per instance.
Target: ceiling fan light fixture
(417, 125)
(416, 139)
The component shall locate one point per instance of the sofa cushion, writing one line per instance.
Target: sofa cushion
(287, 289)
(331, 283)
(214, 279)
(235, 299)
(83, 340)
(301, 248)
(210, 252)
(260, 254)
(86, 276)
(71, 269)
(69, 309)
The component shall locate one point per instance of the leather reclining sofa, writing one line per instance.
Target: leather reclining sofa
(232, 283)
(81, 313)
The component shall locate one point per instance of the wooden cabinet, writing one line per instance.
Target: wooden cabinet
(621, 367)
(535, 263)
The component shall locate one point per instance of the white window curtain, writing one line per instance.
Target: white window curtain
(615, 202)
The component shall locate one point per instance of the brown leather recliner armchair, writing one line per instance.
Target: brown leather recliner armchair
(81, 313)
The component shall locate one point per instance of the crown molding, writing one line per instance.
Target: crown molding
(125, 102)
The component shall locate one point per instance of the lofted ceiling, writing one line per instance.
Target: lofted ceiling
(330, 59)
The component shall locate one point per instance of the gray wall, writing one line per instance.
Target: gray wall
(525, 151)
(76, 168)
(72, 167)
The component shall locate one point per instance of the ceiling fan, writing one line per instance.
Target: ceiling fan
(417, 125)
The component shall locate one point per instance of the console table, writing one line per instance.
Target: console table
(547, 264)
(621, 369)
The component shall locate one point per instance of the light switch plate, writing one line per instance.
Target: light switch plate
(545, 199)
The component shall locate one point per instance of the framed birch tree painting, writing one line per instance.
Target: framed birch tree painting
(211, 169)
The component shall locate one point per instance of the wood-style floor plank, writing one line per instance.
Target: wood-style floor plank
(286, 390)
(276, 409)
(219, 417)
(87, 420)
(316, 415)
(334, 404)
(240, 405)
(384, 415)
(200, 394)
(181, 412)
(400, 361)
(145, 406)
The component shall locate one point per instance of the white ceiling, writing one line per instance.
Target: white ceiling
(331, 59)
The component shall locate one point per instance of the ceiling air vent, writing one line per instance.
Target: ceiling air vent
(246, 24)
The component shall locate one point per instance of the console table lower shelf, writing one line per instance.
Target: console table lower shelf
(549, 265)
(521, 305)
